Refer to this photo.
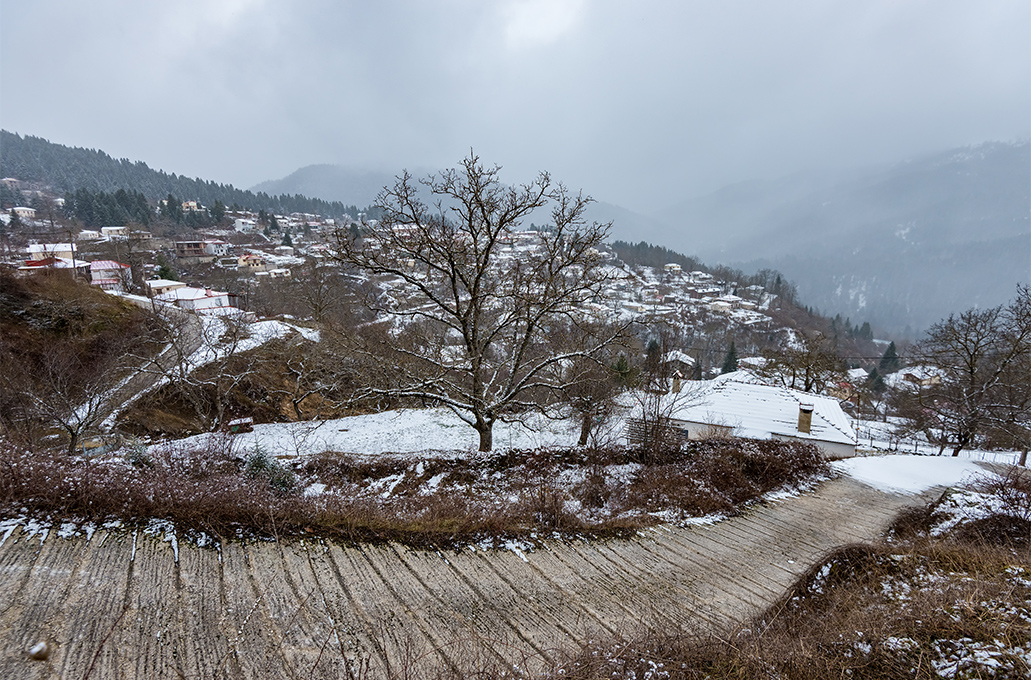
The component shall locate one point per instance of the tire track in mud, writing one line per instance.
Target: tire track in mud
(128, 604)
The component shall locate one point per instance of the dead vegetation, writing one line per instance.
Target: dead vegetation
(63, 343)
(947, 595)
(429, 502)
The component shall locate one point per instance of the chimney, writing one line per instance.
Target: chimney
(805, 417)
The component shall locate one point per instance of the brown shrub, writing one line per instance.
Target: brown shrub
(219, 491)
(1012, 489)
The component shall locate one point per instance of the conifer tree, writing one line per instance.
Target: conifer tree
(890, 361)
(875, 382)
(730, 361)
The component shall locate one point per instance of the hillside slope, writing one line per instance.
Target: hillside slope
(65, 169)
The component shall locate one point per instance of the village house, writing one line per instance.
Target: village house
(730, 405)
(109, 275)
(679, 362)
(159, 287)
(195, 299)
(115, 232)
(216, 248)
(189, 248)
(39, 251)
(24, 213)
(250, 262)
(245, 225)
(78, 267)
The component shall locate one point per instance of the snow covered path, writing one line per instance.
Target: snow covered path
(143, 605)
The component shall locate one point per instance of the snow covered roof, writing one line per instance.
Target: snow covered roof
(760, 411)
(35, 248)
(188, 293)
(104, 265)
(677, 355)
(54, 263)
(857, 374)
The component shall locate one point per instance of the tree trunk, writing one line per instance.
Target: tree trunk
(486, 436)
(961, 444)
(1023, 458)
(585, 429)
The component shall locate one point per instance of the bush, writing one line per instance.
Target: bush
(260, 465)
(514, 494)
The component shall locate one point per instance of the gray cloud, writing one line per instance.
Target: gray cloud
(638, 103)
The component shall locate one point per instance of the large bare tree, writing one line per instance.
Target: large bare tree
(980, 361)
(808, 364)
(474, 309)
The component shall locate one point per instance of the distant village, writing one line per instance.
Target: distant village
(258, 249)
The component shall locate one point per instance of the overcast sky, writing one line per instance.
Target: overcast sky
(639, 103)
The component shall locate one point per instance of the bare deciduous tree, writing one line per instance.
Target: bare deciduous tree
(809, 365)
(203, 360)
(71, 397)
(980, 361)
(477, 311)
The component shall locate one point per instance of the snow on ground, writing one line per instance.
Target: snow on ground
(256, 334)
(909, 474)
(400, 431)
(875, 436)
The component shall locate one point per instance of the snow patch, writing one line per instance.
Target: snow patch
(908, 475)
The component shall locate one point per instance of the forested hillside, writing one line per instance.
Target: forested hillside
(67, 169)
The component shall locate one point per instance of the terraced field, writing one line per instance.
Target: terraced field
(127, 604)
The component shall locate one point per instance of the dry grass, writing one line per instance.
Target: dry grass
(511, 495)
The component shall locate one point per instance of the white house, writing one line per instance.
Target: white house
(39, 251)
(108, 274)
(195, 299)
(757, 411)
(216, 248)
(115, 232)
(161, 286)
(24, 213)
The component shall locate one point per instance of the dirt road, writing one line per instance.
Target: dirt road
(131, 605)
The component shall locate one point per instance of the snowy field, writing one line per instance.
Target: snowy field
(909, 474)
(877, 438)
(439, 433)
(432, 431)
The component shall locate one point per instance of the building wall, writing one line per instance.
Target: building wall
(831, 450)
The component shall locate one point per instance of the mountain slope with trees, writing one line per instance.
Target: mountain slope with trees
(68, 169)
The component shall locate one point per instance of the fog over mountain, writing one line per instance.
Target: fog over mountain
(644, 105)
(899, 245)
(320, 181)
